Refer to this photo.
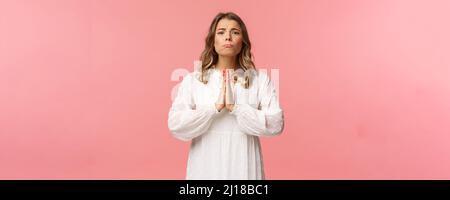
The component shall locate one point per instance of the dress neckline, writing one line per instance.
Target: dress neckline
(220, 71)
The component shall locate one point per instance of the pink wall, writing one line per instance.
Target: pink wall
(85, 86)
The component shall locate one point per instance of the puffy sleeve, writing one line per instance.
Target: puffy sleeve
(186, 119)
(266, 121)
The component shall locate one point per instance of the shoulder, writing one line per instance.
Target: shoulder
(188, 79)
(193, 77)
(260, 76)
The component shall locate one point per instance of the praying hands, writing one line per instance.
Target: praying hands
(226, 97)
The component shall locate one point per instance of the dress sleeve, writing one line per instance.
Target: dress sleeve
(266, 121)
(186, 119)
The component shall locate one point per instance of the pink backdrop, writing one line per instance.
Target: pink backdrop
(85, 86)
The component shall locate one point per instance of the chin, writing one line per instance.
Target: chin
(228, 54)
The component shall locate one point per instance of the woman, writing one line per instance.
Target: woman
(224, 106)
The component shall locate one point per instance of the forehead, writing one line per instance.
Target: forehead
(228, 24)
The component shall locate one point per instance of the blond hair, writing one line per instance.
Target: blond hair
(209, 56)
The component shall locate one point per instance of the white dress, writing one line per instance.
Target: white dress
(225, 145)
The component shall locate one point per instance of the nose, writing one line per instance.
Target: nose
(228, 37)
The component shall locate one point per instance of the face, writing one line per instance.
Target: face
(228, 38)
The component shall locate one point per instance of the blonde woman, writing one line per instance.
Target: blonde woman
(225, 106)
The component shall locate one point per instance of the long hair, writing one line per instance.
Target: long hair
(209, 56)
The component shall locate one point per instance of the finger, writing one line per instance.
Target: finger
(229, 94)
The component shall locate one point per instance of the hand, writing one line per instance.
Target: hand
(229, 97)
(220, 103)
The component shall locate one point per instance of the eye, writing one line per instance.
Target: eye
(236, 33)
(220, 33)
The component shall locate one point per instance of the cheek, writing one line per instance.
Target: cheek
(217, 42)
(239, 43)
(238, 40)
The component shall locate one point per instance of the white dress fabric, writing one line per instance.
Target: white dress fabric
(225, 145)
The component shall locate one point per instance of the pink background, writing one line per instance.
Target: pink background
(85, 86)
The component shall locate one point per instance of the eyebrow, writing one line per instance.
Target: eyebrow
(219, 29)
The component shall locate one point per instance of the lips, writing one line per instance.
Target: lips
(228, 45)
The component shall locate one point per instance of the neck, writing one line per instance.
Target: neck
(226, 63)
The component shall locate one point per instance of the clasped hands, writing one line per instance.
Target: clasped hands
(226, 97)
